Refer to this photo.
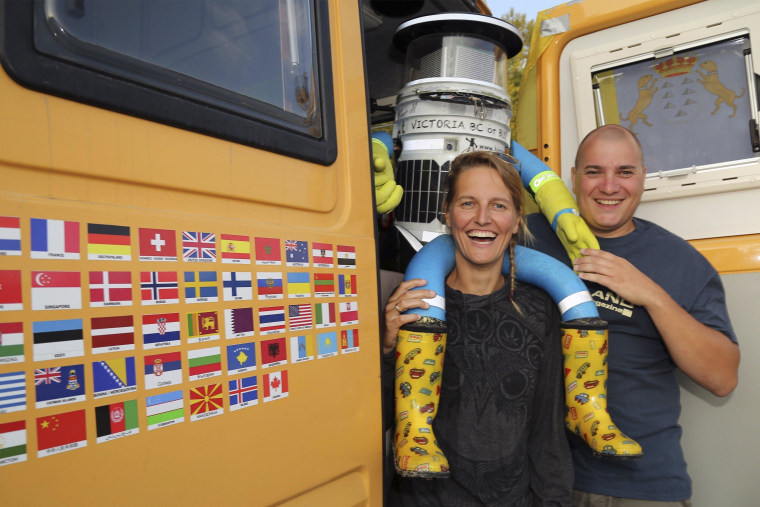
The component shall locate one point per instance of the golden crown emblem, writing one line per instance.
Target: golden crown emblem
(675, 66)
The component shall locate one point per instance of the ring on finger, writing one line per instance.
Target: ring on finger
(398, 309)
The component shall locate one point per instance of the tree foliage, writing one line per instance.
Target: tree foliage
(516, 64)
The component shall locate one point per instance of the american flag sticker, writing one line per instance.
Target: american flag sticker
(299, 317)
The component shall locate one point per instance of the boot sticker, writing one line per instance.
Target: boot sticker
(416, 373)
(411, 355)
(405, 388)
(582, 370)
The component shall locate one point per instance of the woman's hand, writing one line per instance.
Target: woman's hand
(403, 299)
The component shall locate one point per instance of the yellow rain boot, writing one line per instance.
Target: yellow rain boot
(419, 364)
(584, 348)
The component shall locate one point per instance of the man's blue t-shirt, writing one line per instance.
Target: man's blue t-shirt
(643, 393)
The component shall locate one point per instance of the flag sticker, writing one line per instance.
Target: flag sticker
(61, 432)
(10, 290)
(275, 385)
(347, 286)
(57, 339)
(241, 358)
(269, 285)
(117, 420)
(157, 245)
(299, 285)
(59, 385)
(112, 334)
(11, 342)
(238, 322)
(237, 286)
(327, 345)
(235, 249)
(296, 253)
(322, 255)
(110, 288)
(204, 363)
(271, 320)
(10, 236)
(349, 313)
(349, 341)
(164, 410)
(299, 317)
(206, 401)
(324, 285)
(56, 290)
(159, 287)
(243, 393)
(274, 352)
(160, 330)
(112, 377)
(200, 287)
(12, 442)
(163, 370)
(301, 348)
(346, 257)
(108, 243)
(54, 239)
(324, 315)
(12, 394)
(198, 246)
(202, 327)
(267, 251)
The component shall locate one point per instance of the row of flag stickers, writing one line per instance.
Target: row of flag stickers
(61, 339)
(62, 290)
(60, 239)
(67, 431)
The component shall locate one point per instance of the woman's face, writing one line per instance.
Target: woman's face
(482, 217)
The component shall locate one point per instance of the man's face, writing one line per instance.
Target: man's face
(608, 184)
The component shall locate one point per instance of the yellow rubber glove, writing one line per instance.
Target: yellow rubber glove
(387, 193)
(556, 203)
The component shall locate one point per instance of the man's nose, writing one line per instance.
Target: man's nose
(609, 184)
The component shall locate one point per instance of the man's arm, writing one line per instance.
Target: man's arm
(707, 356)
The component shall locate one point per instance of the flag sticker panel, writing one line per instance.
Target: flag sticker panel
(241, 358)
(108, 242)
(117, 420)
(301, 348)
(299, 317)
(198, 246)
(201, 287)
(271, 320)
(327, 345)
(157, 245)
(11, 342)
(57, 339)
(59, 385)
(112, 334)
(61, 432)
(164, 410)
(160, 330)
(202, 327)
(163, 370)
(349, 313)
(204, 363)
(237, 286)
(54, 239)
(322, 255)
(243, 393)
(114, 376)
(10, 236)
(296, 253)
(56, 290)
(346, 257)
(299, 285)
(238, 322)
(206, 401)
(12, 393)
(275, 385)
(324, 315)
(324, 285)
(235, 249)
(268, 251)
(110, 288)
(159, 287)
(10, 290)
(349, 341)
(347, 286)
(269, 285)
(274, 352)
(13, 437)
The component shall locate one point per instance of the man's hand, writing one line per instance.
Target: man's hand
(617, 274)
